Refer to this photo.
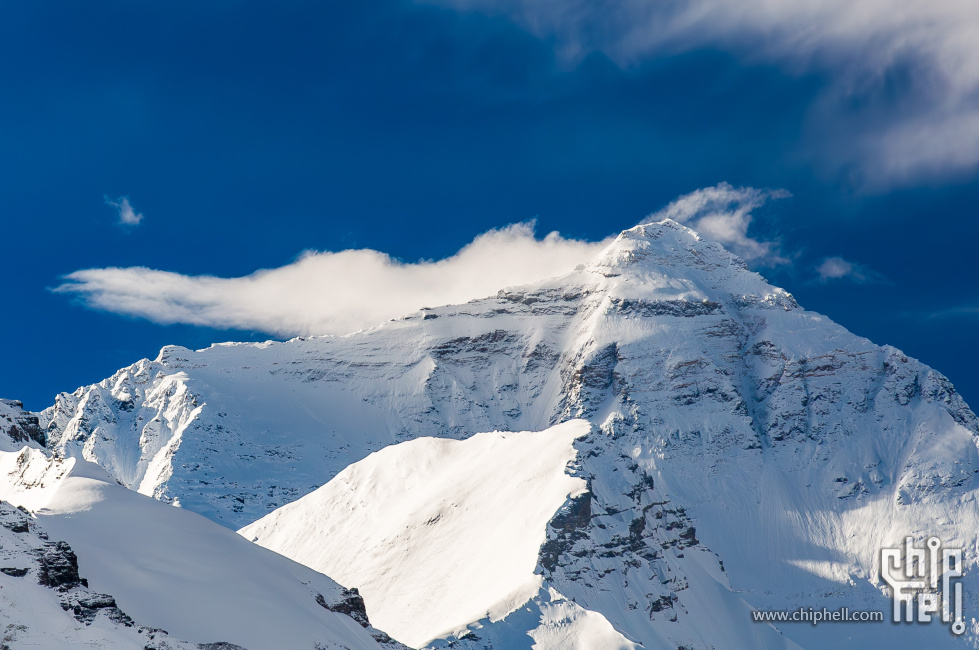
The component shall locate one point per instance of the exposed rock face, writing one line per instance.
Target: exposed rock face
(58, 566)
(39, 577)
(351, 603)
(18, 427)
(729, 417)
(28, 555)
(567, 527)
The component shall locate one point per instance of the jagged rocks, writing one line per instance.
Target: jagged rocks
(86, 606)
(14, 572)
(16, 520)
(17, 526)
(566, 528)
(19, 426)
(677, 308)
(350, 603)
(58, 586)
(58, 567)
(663, 602)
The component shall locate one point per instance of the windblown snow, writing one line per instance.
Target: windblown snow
(434, 533)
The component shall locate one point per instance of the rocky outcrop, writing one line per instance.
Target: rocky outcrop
(48, 571)
(58, 566)
(18, 427)
(351, 603)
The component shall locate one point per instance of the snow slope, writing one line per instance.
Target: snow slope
(747, 449)
(439, 534)
(434, 533)
(44, 603)
(173, 569)
(444, 535)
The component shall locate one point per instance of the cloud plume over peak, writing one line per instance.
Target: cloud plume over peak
(901, 103)
(331, 293)
(339, 293)
(723, 213)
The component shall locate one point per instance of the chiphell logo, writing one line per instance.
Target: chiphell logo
(924, 582)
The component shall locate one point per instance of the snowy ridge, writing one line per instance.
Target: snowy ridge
(549, 621)
(434, 533)
(164, 567)
(45, 603)
(18, 427)
(441, 534)
(733, 425)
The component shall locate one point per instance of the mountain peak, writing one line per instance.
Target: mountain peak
(666, 243)
(667, 261)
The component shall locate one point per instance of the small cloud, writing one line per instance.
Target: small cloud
(837, 268)
(723, 213)
(127, 216)
(956, 312)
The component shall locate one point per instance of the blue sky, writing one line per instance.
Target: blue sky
(246, 133)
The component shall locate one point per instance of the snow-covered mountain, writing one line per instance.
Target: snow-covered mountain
(45, 603)
(18, 427)
(744, 449)
(470, 514)
(441, 533)
(101, 566)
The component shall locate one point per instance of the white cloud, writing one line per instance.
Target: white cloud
(903, 97)
(723, 213)
(956, 312)
(338, 293)
(837, 268)
(331, 293)
(127, 215)
(834, 268)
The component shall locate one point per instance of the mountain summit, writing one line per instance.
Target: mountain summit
(744, 452)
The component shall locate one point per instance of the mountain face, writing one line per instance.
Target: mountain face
(98, 565)
(18, 427)
(469, 515)
(45, 603)
(745, 452)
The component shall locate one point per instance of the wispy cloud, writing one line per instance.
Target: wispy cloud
(956, 312)
(723, 213)
(837, 268)
(331, 293)
(127, 215)
(902, 103)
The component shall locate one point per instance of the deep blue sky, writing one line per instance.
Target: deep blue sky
(247, 132)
